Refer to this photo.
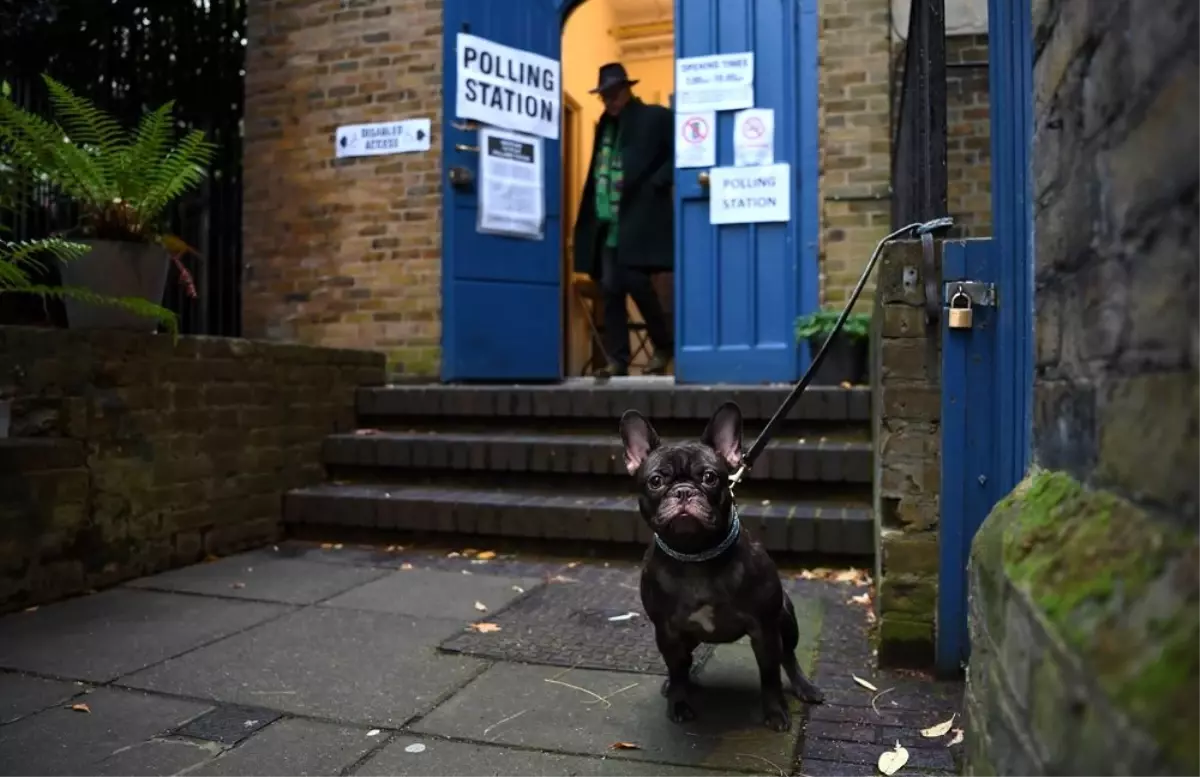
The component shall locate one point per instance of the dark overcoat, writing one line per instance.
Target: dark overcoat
(646, 212)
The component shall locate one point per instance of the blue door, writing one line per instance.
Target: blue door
(987, 370)
(739, 288)
(501, 296)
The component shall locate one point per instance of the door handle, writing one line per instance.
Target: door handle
(703, 179)
(465, 126)
(460, 177)
(465, 147)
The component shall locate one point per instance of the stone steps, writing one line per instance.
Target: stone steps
(793, 527)
(545, 462)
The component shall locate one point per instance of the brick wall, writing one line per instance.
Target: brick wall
(855, 138)
(128, 455)
(968, 136)
(906, 419)
(1084, 591)
(343, 253)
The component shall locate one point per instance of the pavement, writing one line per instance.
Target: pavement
(322, 659)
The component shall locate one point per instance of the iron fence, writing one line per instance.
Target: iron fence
(131, 56)
(919, 142)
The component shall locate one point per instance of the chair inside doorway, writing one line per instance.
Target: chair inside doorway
(641, 35)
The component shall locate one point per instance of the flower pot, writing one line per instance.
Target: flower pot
(116, 269)
(845, 361)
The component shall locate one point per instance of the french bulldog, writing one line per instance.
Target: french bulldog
(704, 578)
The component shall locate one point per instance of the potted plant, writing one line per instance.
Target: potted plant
(122, 183)
(846, 360)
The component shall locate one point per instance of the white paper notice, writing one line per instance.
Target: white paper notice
(750, 195)
(719, 82)
(381, 138)
(696, 139)
(512, 191)
(754, 137)
(506, 87)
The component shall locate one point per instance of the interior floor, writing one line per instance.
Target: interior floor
(641, 35)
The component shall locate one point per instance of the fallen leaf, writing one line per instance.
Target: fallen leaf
(624, 746)
(847, 576)
(484, 628)
(766, 502)
(481, 606)
(560, 579)
(31, 609)
(326, 546)
(469, 551)
(373, 732)
(211, 558)
(363, 432)
(415, 748)
(957, 738)
(890, 761)
(864, 683)
(406, 566)
(453, 554)
(572, 565)
(627, 616)
(486, 555)
(390, 549)
(940, 729)
(518, 589)
(337, 546)
(81, 707)
(466, 571)
(807, 574)
(861, 599)
(845, 384)
(237, 585)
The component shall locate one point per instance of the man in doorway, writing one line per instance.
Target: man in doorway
(625, 230)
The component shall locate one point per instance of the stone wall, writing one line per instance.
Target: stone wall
(128, 454)
(1084, 590)
(906, 395)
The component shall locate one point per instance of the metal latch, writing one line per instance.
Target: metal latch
(979, 293)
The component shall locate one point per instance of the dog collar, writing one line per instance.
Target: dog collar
(735, 528)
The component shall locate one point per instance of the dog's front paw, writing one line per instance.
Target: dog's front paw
(680, 711)
(777, 717)
(808, 693)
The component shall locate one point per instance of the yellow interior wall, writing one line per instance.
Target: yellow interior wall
(656, 79)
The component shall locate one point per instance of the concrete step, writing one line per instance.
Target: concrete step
(604, 403)
(799, 460)
(835, 528)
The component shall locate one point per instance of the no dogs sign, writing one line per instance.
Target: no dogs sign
(696, 139)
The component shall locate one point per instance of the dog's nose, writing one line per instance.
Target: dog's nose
(685, 491)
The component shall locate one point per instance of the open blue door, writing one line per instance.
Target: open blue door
(739, 288)
(501, 296)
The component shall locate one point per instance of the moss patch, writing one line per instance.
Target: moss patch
(1116, 586)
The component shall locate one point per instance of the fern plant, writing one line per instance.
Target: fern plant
(32, 149)
(819, 325)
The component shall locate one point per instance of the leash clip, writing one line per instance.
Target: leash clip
(736, 477)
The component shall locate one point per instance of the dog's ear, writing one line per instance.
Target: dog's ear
(639, 438)
(724, 434)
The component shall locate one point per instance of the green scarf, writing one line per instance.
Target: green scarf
(610, 176)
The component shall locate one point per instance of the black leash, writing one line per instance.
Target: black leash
(922, 230)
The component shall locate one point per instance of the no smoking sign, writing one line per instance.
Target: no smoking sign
(754, 128)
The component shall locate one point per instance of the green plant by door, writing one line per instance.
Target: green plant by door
(817, 326)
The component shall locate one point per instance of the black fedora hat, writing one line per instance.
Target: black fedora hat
(611, 75)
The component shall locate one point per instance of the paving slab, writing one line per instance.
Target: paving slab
(62, 741)
(21, 694)
(537, 707)
(258, 576)
(292, 746)
(154, 757)
(344, 665)
(106, 635)
(444, 758)
(433, 593)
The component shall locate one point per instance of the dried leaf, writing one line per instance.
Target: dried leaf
(481, 606)
(847, 576)
(453, 554)
(864, 599)
(560, 579)
(373, 732)
(416, 747)
(572, 565)
(326, 546)
(956, 739)
(890, 761)
(807, 574)
(81, 707)
(484, 628)
(406, 566)
(486, 555)
(31, 609)
(365, 432)
(625, 617)
(845, 384)
(864, 683)
(469, 551)
(237, 585)
(337, 546)
(518, 589)
(940, 729)
(211, 558)
(624, 746)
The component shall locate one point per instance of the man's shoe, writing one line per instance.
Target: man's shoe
(658, 364)
(612, 370)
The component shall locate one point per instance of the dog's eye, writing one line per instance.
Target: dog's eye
(709, 478)
(655, 481)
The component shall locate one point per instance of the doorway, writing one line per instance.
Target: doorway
(641, 35)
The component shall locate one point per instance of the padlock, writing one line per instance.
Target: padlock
(960, 315)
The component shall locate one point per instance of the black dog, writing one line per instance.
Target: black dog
(704, 578)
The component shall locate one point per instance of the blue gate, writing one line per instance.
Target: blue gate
(739, 288)
(987, 370)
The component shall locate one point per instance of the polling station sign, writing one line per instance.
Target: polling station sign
(506, 87)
